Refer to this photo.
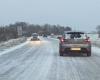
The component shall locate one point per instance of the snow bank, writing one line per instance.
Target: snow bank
(96, 42)
(11, 43)
(96, 50)
(13, 48)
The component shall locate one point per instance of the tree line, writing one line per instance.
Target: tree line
(11, 31)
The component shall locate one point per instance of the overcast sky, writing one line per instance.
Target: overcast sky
(79, 14)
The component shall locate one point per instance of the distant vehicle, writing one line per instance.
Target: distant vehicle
(59, 37)
(75, 42)
(44, 35)
(35, 37)
(52, 35)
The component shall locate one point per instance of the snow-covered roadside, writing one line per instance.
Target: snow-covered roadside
(96, 42)
(96, 50)
(13, 48)
(96, 46)
(11, 43)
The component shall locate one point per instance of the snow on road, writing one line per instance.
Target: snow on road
(41, 61)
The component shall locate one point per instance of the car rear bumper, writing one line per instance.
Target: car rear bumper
(82, 50)
(75, 45)
(75, 49)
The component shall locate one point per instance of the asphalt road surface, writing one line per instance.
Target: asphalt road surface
(41, 61)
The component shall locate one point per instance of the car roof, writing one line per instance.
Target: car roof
(74, 32)
(34, 34)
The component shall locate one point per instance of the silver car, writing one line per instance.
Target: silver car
(35, 37)
(75, 42)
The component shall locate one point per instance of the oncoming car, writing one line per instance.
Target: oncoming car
(35, 37)
(75, 42)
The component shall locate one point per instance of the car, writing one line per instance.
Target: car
(75, 42)
(35, 37)
(44, 35)
(59, 37)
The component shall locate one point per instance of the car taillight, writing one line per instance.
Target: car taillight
(61, 40)
(87, 41)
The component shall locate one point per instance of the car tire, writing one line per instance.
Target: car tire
(89, 53)
(61, 54)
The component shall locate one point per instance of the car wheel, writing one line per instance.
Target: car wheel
(89, 53)
(61, 54)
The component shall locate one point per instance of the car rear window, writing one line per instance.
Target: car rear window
(74, 36)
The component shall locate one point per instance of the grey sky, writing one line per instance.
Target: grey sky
(75, 13)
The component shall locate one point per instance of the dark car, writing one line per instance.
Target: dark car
(75, 42)
(59, 37)
(45, 35)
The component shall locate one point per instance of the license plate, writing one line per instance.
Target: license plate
(76, 49)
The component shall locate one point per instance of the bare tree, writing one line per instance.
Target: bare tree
(10, 31)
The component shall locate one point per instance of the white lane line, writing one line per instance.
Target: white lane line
(14, 48)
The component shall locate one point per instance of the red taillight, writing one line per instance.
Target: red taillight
(87, 41)
(61, 40)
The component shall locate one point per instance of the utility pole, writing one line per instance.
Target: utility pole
(19, 31)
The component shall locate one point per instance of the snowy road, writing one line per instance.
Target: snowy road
(41, 61)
